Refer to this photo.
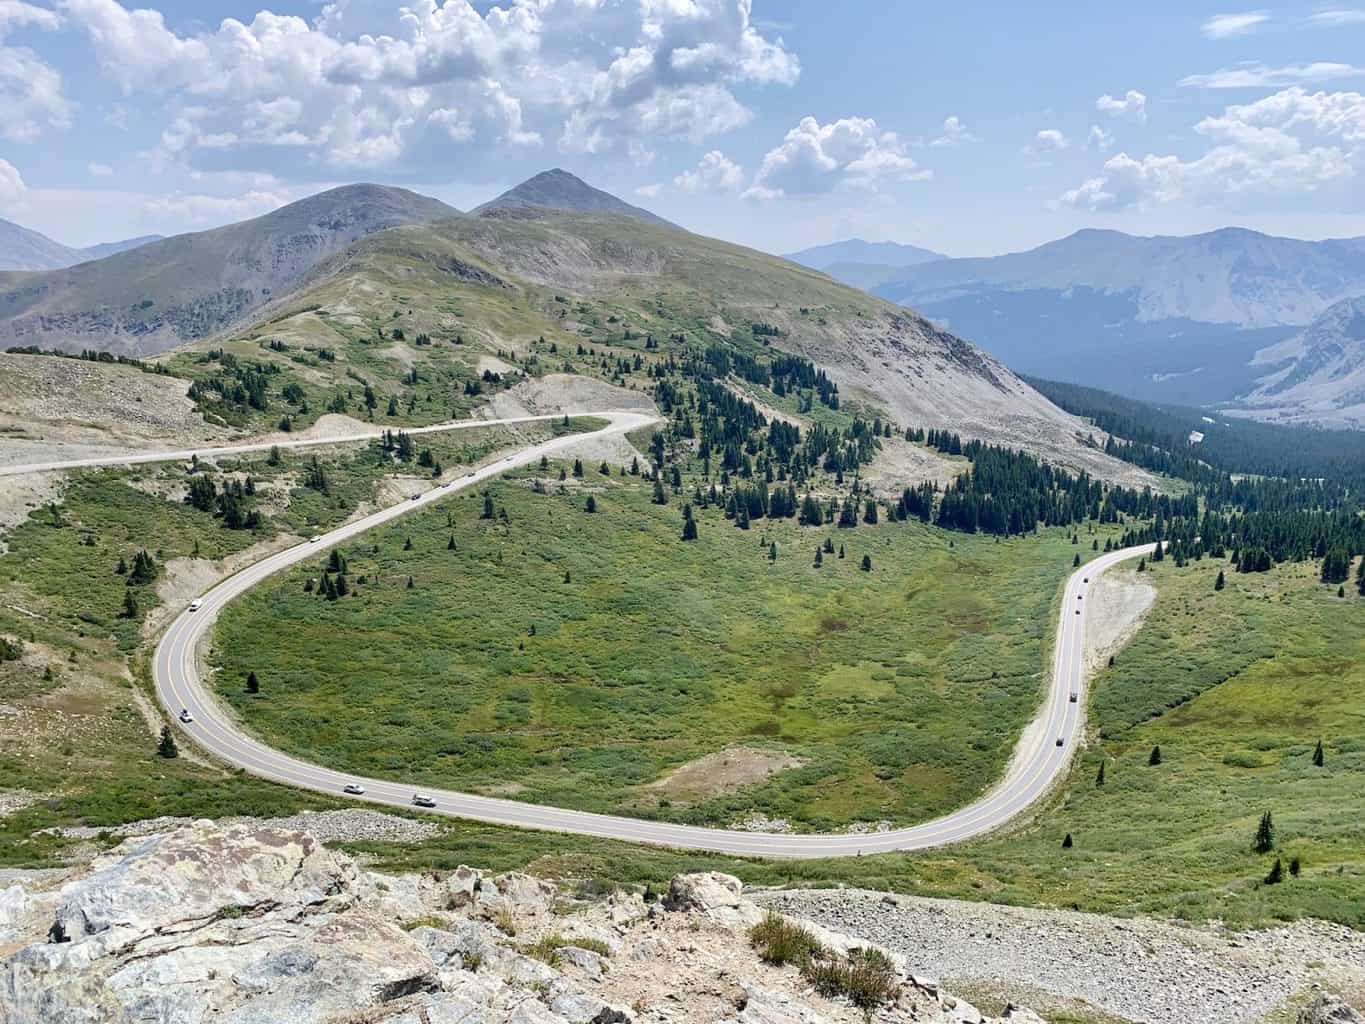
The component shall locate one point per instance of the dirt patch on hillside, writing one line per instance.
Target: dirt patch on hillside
(901, 464)
(184, 579)
(56, 403)
(725, 771)
(1118, 603)
(20, 495)
(575, 395)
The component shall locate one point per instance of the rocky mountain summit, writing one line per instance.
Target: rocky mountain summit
(255, 925)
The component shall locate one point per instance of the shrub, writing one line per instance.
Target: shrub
(779, 941)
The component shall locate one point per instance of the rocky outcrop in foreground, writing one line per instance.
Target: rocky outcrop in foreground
(250, 925)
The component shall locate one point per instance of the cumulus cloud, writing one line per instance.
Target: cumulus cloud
(193, 210)
(954, 134)
(1259, 76)
(30, 89)
(715, 173)
(1099, 138)
(1049, 140)
(816, 158)
(368, 82)
(1132, 105)
(11, 184)
(650, 191)
(1291, 142)
(1229, 26)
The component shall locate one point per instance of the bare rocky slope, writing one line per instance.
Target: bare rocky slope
(157, 296)
(1317, 376)
(259, 923)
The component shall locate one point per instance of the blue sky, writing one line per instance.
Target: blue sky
(968, 128)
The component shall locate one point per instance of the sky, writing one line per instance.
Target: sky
(970, 128)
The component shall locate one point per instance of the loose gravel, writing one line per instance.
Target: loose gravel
(1136, 969)
(349, 825)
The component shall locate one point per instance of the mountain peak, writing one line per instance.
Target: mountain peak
(558, 189)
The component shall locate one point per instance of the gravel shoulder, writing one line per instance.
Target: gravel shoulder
(1135, 969)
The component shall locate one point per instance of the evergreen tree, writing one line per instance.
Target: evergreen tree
(1154, 758)
(1220, 582)
(578, 469)
(450, 544)
(841, 551)
(129, 606)
(1318, 758)
(1099, 776)
(253, 685)
(1076, 562)
(604, 469)
(660, 495)
(488, 510)
(410, 583)
(567, 578)
(166, 747)
(689, 529)
(591, 504)
(866, 565)
(1276, 875)
(1265, 835)
(1295, 866)
(407, 544)
(121, 569)
(772, 552)
(819, 558)
(1066, 842)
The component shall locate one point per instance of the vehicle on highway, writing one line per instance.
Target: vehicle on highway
(196, 604)
(185, 716)
(415, 497)
(469, 474)
(1086, 579)
(313, 539)
(1079, 596)
(1078, 611)
(1059, 741)
(1074, 696)
(421, 800)
(354, 788)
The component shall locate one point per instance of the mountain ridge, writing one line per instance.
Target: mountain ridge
(859, 252)
(23, 248)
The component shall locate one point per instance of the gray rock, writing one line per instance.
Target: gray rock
(1328, 1009)
(717, 896)
(591, 964)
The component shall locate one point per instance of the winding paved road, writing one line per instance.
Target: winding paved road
(1039, 761)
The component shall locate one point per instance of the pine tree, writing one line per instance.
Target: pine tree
(1265, 835)
(253, 685)
(488, 511)
(1076, 562)
(567, 578)
(772, 552)
(166, 745)
(1099, 776)
(1318, 758)
(1295, 866)
(578, 469)
(1066, 842)
(660, 495)
(591, 505)
(689, 529)
(1154, 758)
(450, 544)
(407, 544)
(866, 565)
(841, 551)
(1276, 875)
(410, 583)
(1142, 565)
(129, 606)
(1220, 582)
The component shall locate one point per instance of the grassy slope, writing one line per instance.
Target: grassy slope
(1170, 840)
(902, 688)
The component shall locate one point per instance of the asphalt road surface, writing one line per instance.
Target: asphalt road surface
(1039, 762)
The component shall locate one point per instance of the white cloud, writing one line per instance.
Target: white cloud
(11, 184)
(99, 170)
(814, 159)
(1336, 17)
(193, 210)
(1099, 139)
(1290, 143)
(30, 89)
(1259, 76)
(1228, 26)
(1133, 105)
(955, 133)
(370, 81)
(715, 173)
(1049, 140)
(650, 191)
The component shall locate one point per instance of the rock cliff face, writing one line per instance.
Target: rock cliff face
(251, 925)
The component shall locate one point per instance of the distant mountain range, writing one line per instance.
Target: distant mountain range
(25, 249)
(864, 264)
(1175, 319)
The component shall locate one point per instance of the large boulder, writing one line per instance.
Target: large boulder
(198, 873)
(714, 895)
